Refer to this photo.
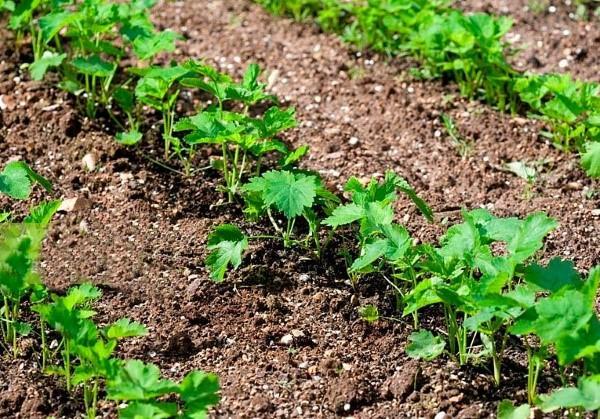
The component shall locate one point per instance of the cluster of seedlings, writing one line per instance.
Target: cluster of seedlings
(491, 299)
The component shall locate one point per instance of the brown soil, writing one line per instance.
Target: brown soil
(141, 237)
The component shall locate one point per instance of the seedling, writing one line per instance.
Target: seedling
(462, 145)
(476, 286)
(142, 387)
(158, 89)
(244, 140)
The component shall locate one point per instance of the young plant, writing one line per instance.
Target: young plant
(563, 318)
(244, 140)
(141, 386)
(571, 108)
(158, 89)
(379, 238)
(476, 284)
(87, 351)
(292, 194)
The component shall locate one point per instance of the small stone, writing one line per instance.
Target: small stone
(596, 212)
(272, 79)
(440, 415)
(287, 340)
(89, 162)
(563, 63)
(74, 204)
(297, 333)
(353, 141)
(7, 103)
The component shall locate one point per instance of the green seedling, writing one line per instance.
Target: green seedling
(525, 172)
(87, 351)
(158, 89)
(476, 287)
(244, 140)
(462, 145)
(379, 239)
(292, 195)
(141, 386)
(571, 108)
(425, 345)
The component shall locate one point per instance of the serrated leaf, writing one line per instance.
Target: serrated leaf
(586, 395)
(124, 328)
(290, 193)
(136, 380)
(149, 410)
(344, 214)
(369, 313)
(199, 390)
(424, 345)
(94, 66)
(369, 254)
(507, 410)
(530, 236)
(227, 244)
(558, 274)
(16, 179)
(590, 159)
(146, 47)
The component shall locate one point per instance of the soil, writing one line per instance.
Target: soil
(140, 231)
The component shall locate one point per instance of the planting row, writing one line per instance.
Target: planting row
(482, 275)
(469, 49)
(84, 355)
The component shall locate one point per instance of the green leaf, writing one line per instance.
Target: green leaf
(227, 244)
(16, 179)
(585, 395)
(530, 236)
(369, 254)
(522, 170)
(344, 214)
(289, 192)
(558, 274)
(590, 159)
(52, 23)
(369, 313)
(424, 345)
(39, 67)
(403, 186)
(507, 410)
(146, 47)
(42, 214)
(149, 410)
(136, 380)
(129, 138)
(94, 66)
(199, 390)
(124, 328)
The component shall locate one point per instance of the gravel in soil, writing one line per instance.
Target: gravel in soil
(283, 333)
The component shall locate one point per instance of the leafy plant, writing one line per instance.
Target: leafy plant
(476, 286)
(244, 140)
(87, 351)
(424, 345)
(571, 108)
(143, 388)
(379, 238)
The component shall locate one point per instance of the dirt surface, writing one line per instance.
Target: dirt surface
(140, 232)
